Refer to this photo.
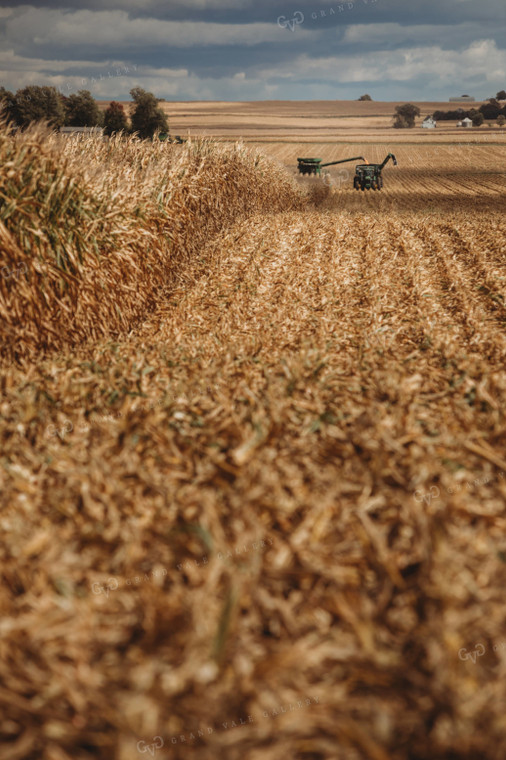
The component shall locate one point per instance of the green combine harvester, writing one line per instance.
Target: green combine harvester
(368, 176)
(315, 166)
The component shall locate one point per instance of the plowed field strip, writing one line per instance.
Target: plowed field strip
(486, 244)
(488, 277)
(482, 334)
(412, 280)
(384, 288)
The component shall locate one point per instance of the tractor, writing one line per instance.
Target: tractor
(368, 176)
(314, 165)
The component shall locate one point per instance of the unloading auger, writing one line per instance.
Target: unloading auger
(314, 165)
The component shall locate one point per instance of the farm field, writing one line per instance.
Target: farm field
(253, 466)
(287, 119)
(430, 178)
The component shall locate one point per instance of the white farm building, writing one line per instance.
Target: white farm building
(429, 123)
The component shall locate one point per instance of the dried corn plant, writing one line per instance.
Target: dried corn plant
(102, 228)
(268, 519)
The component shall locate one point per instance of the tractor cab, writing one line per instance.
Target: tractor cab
(368, 176)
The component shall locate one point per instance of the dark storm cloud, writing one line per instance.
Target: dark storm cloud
(447, 12)
(245, 49)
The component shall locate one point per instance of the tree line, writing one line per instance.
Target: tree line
(406, 114)
(35, 103)
(486, 112)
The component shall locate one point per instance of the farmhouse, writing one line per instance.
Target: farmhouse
(465, 122)
(429, 123)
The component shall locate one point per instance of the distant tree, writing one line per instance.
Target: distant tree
(147, 117)
(405, 115)
(115, 118)
(457, 115)
(400, 122)
(82, 110)
(34, 103)
(501, 120)
(478, 119)
(365, 97)
(490, 110)
(501, 95)
(7, 104)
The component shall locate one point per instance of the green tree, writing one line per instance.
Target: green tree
(34, 103)
(477, 119)
(501, 120)
(82, 110)
(405, 115)
(501, 95)
(7, 104)
(400, 122)
(147, 117)
(490, 110)
(115, 118)
(365, 97)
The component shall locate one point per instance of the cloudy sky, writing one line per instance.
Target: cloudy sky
(257, 49)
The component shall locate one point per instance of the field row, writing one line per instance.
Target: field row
(484, 155)
(267, 519)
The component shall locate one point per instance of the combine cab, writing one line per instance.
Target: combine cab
(368, 176)
(315, 166)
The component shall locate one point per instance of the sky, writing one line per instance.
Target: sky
(240, 50)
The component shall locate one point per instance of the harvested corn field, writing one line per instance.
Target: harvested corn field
(261, 513)
(433, 172)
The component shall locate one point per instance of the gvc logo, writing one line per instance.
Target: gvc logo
(157, 743)
(478, 652)
(298, 18)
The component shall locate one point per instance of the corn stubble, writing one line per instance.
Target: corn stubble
(201, 357)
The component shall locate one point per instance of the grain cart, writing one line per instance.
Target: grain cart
(368, 176)
(314, 165)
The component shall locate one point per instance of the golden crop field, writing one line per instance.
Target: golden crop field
(253, 466)
(287, 119)
(450, 176)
